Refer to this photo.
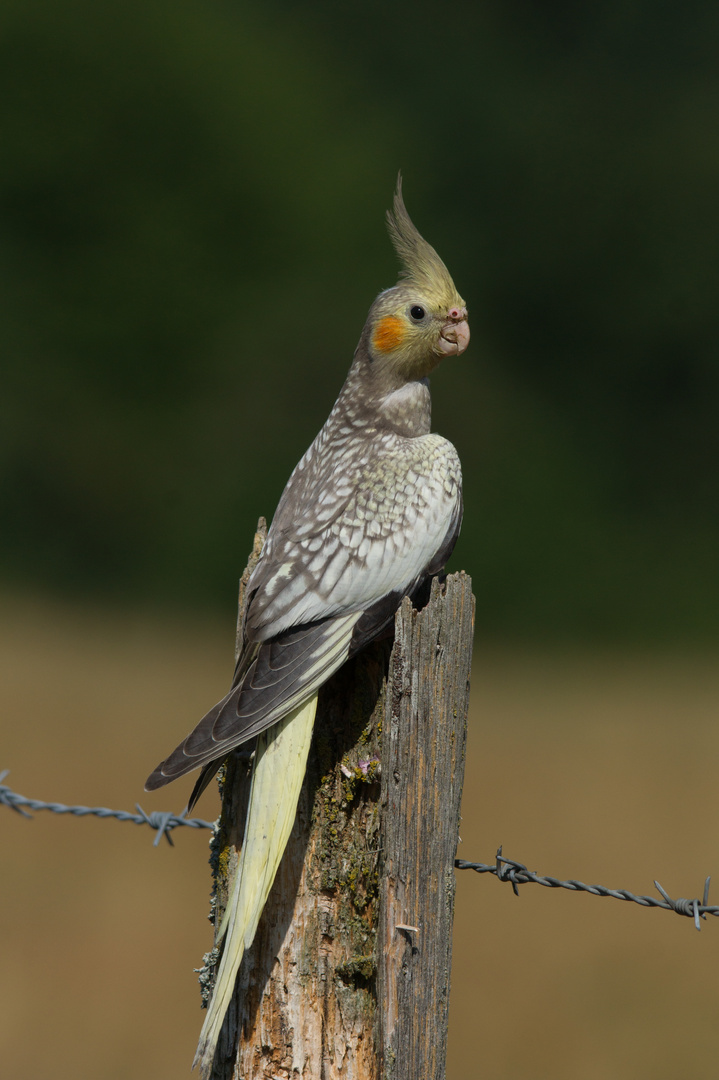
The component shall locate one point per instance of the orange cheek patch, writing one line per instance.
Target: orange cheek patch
(389, 334)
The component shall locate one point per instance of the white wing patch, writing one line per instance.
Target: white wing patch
(392, 514)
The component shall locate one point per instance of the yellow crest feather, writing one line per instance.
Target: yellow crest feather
(421, 265)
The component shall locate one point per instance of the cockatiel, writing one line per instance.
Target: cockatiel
(373, 509)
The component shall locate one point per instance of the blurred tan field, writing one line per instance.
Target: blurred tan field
(600, 767)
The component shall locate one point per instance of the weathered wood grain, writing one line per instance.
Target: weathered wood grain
(330, 988)
(423, 747)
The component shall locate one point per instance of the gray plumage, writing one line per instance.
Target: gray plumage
(371, 510)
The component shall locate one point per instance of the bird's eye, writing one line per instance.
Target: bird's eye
(417, 313)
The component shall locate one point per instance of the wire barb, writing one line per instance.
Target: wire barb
(162, 821)
(516, 874)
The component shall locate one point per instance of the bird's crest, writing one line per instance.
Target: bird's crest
(421, 265)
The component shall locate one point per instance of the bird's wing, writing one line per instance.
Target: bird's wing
(282, 674)
(317, 594)
(403, 503)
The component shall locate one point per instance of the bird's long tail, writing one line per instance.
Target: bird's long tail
(278, 771)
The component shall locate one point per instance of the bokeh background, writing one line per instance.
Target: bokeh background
(191, 232)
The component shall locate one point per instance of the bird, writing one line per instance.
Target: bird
(371, 512)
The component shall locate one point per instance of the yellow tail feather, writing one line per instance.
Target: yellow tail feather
(277, 775)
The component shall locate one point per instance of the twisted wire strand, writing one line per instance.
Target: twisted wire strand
(162, 821)
(516, 874)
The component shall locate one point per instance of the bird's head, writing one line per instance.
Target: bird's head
(412, 326)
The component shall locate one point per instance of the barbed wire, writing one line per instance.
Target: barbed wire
(504, 869)
(518, 874)
(162, 821)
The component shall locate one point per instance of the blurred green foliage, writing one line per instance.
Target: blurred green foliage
(191, 231)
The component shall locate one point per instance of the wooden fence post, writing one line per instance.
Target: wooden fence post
(348, 976)
(423, 746)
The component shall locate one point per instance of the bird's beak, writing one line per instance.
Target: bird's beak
(454, 335)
